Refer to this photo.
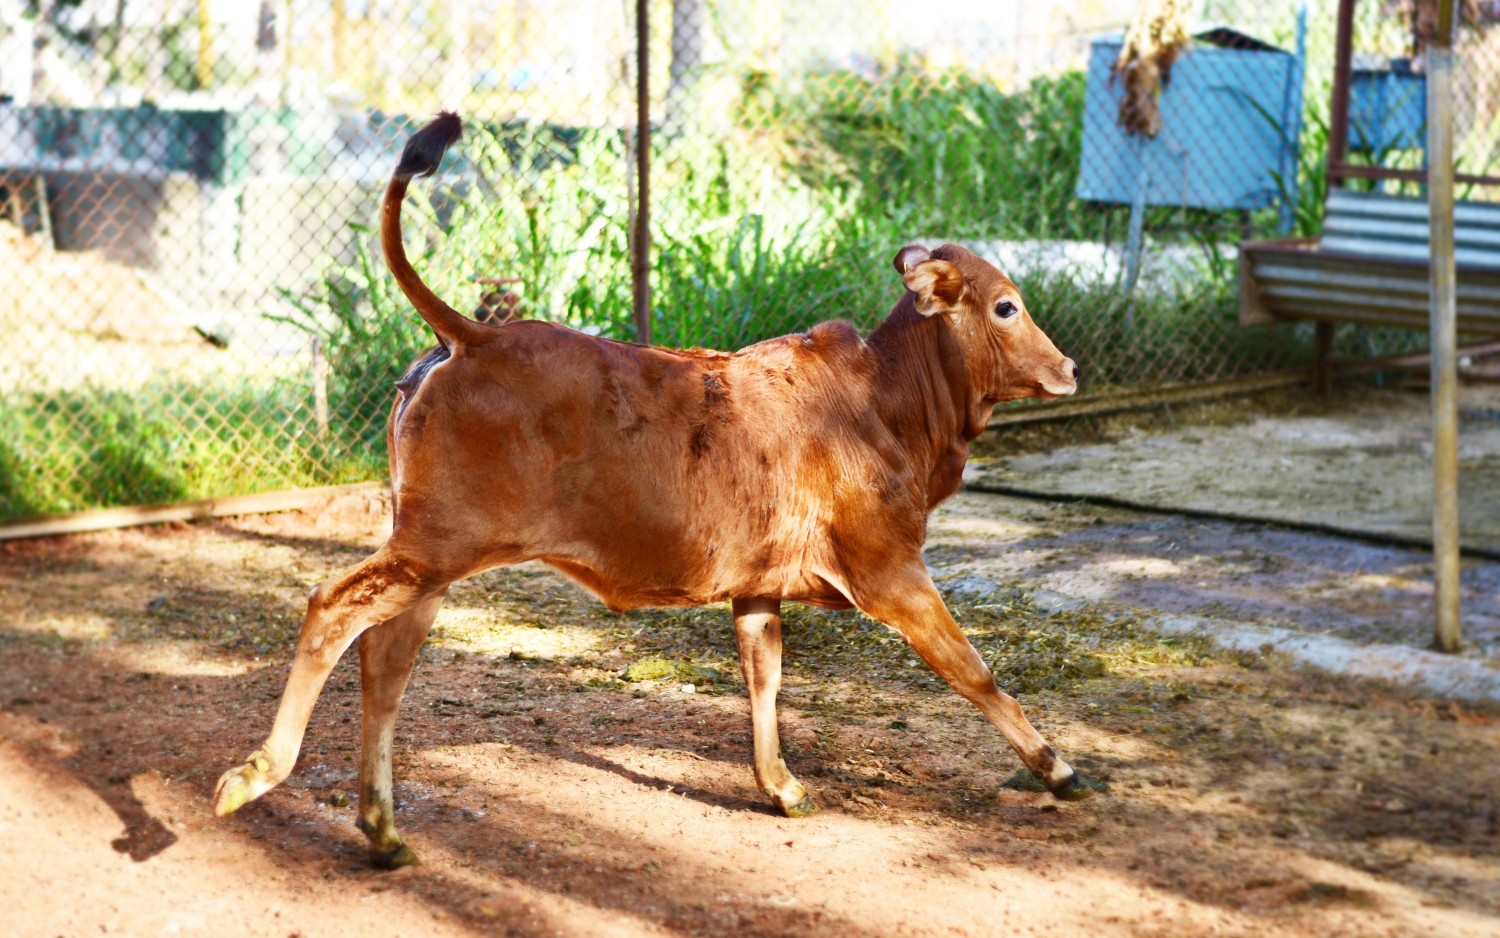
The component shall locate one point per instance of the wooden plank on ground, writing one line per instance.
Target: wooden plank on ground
(134, 516)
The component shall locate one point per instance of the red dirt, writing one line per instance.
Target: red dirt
(545, 797)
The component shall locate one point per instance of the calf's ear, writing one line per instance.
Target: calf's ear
(909, 257)
(939, 286)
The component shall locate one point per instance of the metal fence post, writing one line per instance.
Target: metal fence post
(1445, 559)
(640, 261)
(1338, 111)
(1338, 153)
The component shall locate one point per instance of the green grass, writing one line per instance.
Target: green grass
(91, 448)
(1187, 332)
(946, 155)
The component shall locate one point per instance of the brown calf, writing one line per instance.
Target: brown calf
(802, 469)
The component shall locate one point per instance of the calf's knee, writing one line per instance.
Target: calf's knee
(977, 685)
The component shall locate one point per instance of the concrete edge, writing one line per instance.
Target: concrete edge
(1426, 671)
(1415, 669)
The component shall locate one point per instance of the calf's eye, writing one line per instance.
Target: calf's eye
(1005, 309)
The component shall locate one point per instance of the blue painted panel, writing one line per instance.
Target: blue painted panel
(209, 144)
(1387, 110)
(1221, 139)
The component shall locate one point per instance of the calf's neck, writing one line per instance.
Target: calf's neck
(802, 468)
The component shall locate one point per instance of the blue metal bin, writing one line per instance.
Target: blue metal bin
(1230, 119)
(1387, 108)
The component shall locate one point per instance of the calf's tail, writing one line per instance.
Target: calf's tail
(424, 151)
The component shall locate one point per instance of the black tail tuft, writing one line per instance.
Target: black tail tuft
(424, 151)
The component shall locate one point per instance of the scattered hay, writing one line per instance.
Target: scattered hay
(657, 669)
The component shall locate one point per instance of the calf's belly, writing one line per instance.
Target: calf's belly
(622, 590)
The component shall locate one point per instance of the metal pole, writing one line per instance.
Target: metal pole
(1338, 111)
(1445, 562)
(640, 261)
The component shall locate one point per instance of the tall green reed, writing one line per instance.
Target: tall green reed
(788, 218)
(948, 154)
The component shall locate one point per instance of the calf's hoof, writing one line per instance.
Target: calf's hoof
(387, 852)
(1074, 788)
(240, 786)
(804, 808)
(393, 859)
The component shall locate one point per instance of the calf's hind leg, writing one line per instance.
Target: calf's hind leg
(757, 628)
(380, 588)
(386, 655)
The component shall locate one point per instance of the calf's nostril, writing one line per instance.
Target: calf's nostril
(1075, 373)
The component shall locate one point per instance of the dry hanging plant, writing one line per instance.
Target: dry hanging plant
(1158, 34)
(1422, 16)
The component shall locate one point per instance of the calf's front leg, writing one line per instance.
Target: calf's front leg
(911, 605)
(757, 629)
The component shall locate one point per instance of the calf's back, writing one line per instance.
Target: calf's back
(654, 476)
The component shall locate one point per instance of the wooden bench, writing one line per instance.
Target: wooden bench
(15, 185)
(1370, 267)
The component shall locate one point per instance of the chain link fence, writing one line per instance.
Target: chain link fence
(195, 305)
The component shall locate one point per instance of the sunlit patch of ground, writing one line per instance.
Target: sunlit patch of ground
(548, 796)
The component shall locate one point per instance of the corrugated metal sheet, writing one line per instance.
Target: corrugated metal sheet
(1371, 267)
(1373, 225)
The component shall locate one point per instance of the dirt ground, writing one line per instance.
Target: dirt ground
(547, 797)
(1358, 460)
(74, 319)
(114, 325)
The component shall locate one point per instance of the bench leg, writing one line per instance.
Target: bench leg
(1323, 357)
(17, 213)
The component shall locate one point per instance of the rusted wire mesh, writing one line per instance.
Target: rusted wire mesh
(193, 305)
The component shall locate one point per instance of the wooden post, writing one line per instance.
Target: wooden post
(99, 61)
(340, 39)
(288, 44)
(44, 213)
(507, 37)
(41, 36)
(640, 261)
(767, 27)
(17, 213)
(156, 62)
(1322, 357)
(320, 387)
(205, 44)
(1444, 333)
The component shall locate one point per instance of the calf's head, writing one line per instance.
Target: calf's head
(1006, 355)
